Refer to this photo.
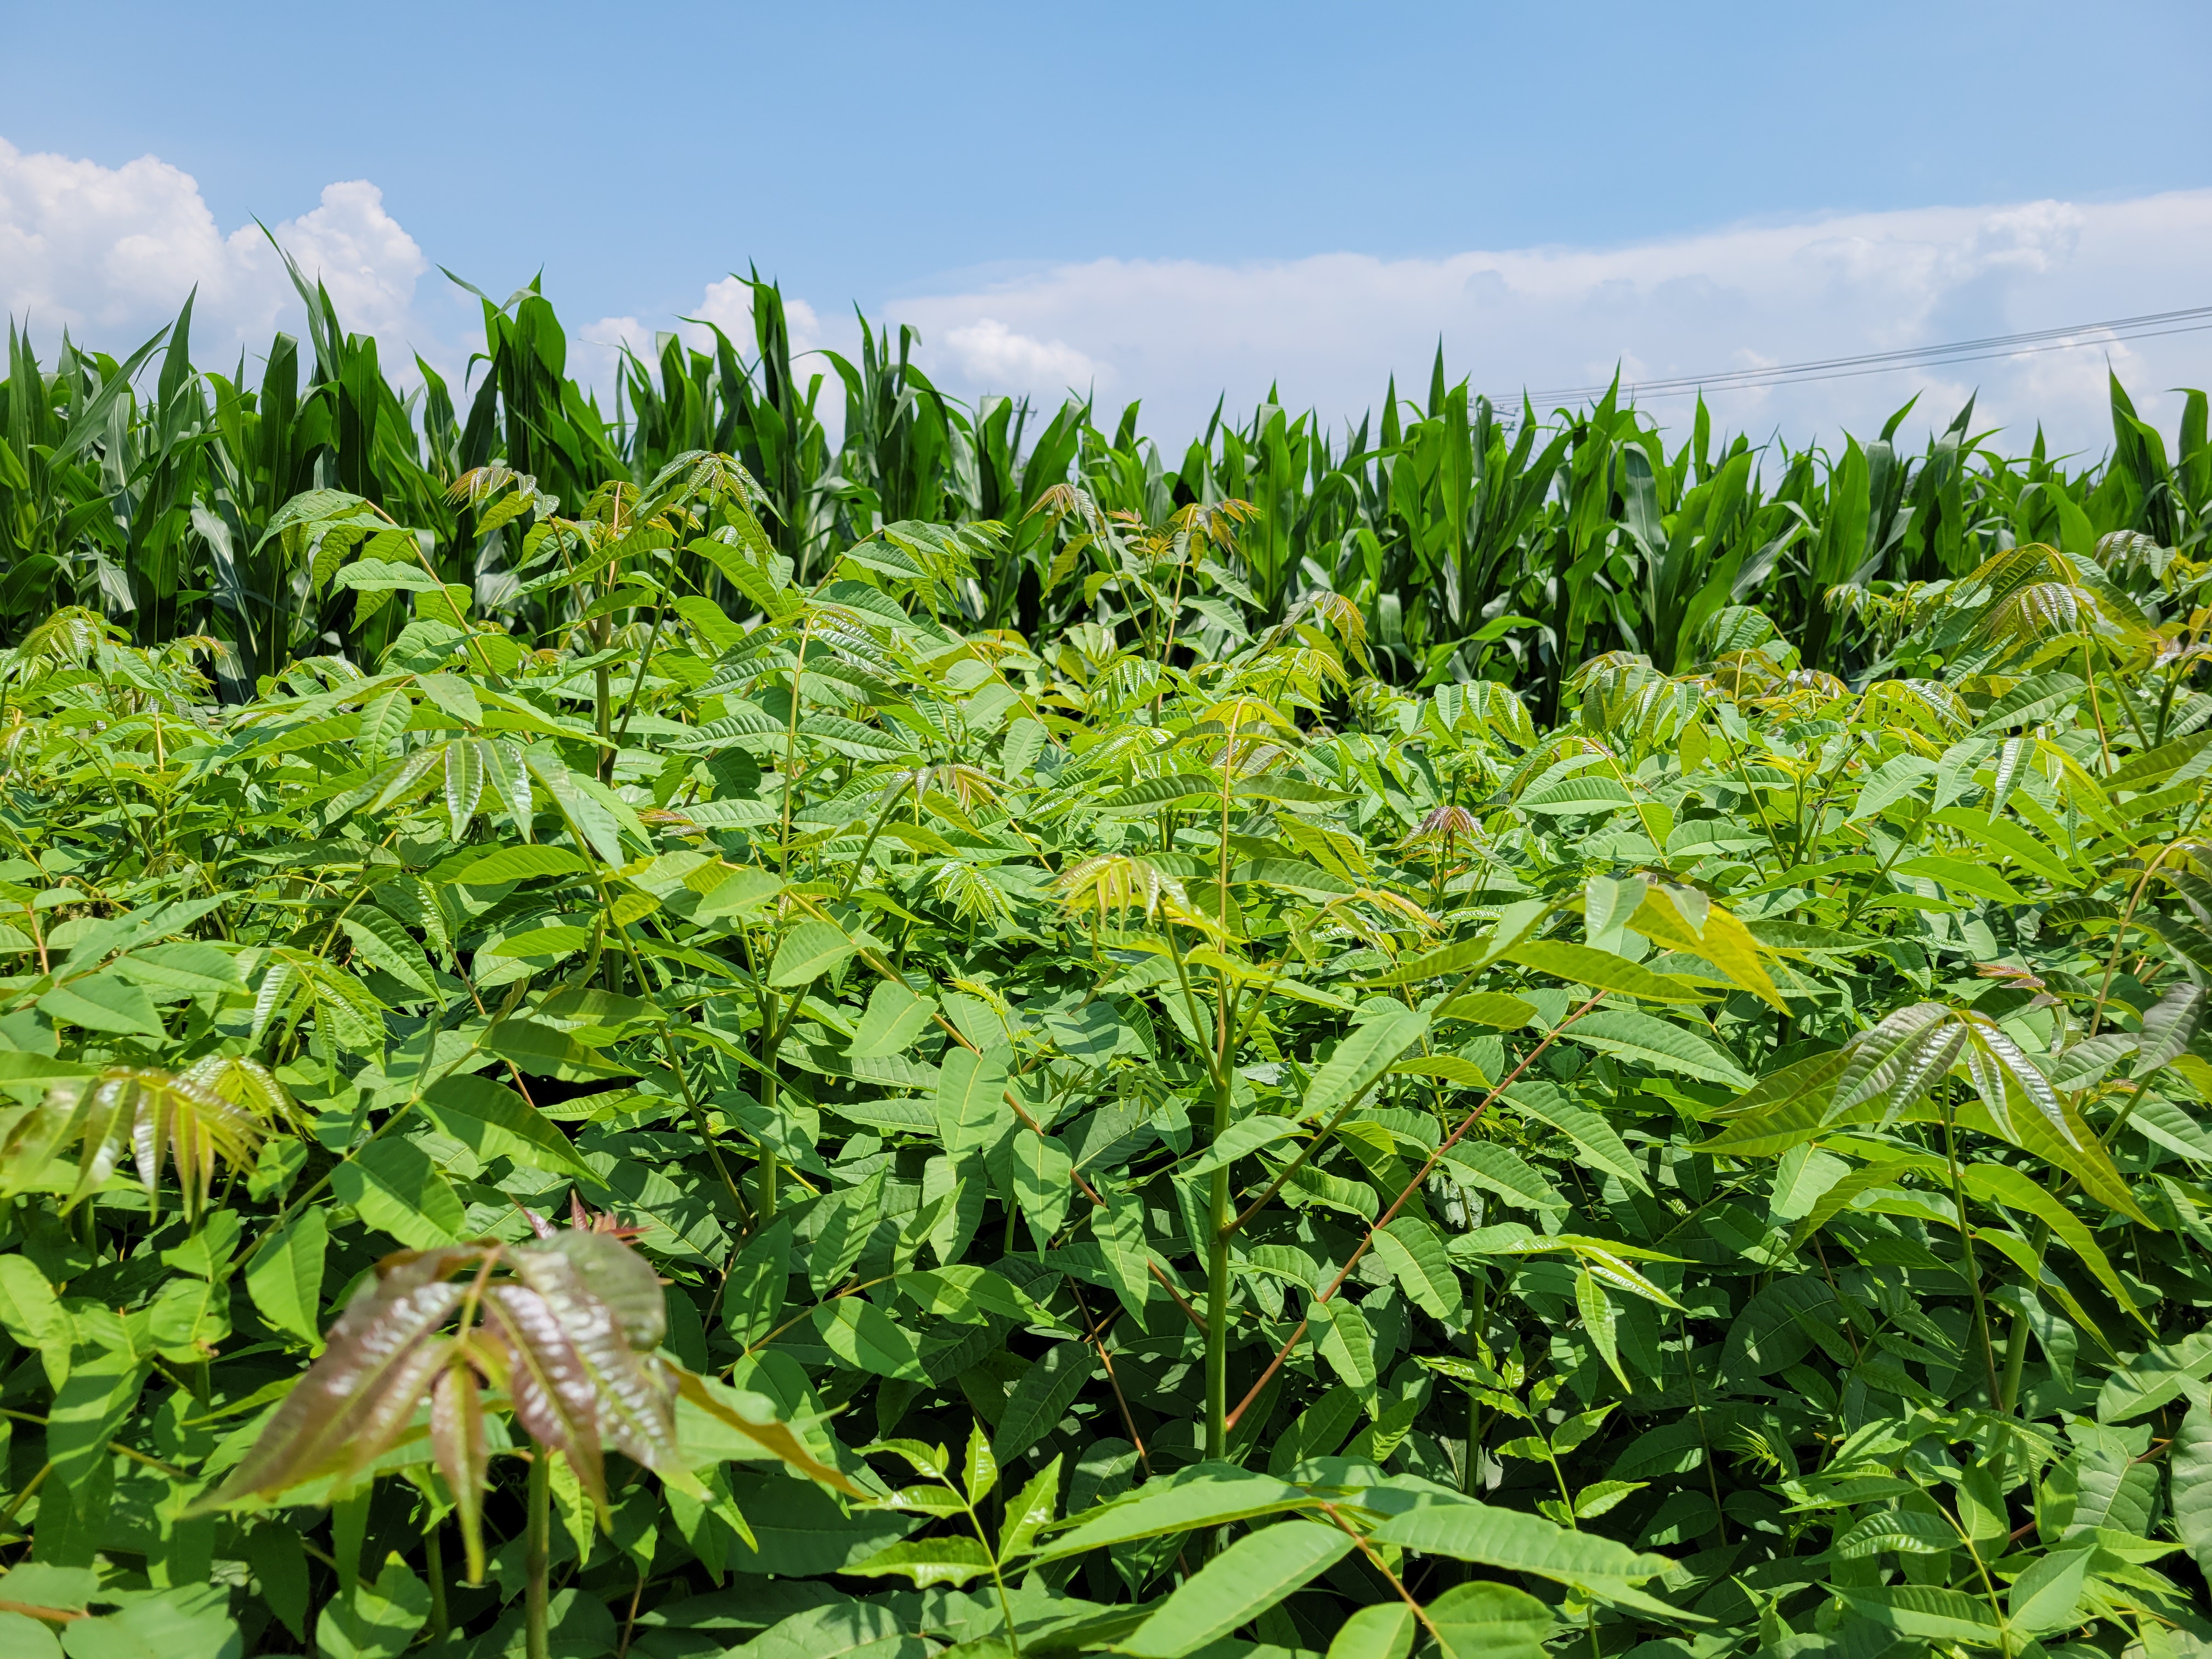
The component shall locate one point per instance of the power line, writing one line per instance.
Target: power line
(2151, 325)
(1907, 356)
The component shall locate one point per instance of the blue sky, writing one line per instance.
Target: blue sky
(1139, 192)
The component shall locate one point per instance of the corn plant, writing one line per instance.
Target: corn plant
(1476, 541)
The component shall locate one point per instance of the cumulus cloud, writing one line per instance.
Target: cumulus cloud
(989, 353)
(109, 253)
(1328, 329)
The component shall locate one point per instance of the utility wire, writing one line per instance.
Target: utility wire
(2151, 325)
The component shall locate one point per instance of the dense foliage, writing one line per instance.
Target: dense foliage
(1475, 542)
(1150, 1135)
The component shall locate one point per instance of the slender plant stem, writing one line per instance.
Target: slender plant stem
(1217, 1290)
(536, 1557)
(434, 1569)
(1967, 1249)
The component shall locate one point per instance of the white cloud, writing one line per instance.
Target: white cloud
(369, 264)
(989, 353)
(1328, 329)
(110, 253)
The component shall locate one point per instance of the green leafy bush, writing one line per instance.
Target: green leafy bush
(787, 1124)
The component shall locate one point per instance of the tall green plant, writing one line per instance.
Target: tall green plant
(1476, 542)
(1356, 1167)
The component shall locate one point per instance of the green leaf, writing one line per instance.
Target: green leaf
(562, 939)
(1602, 1497)
(840, 1225)
(1592, 1133)
(972, 1114)
(20, 1066)
(1925, 1612)
(1205, 1495)
(1516, 1541)
(1448, 959)
(1577, 795)
(2001, 1183)
(2034, 699)
(895, 1016)
(375, 1621)
(87, 1411)
(380, 940)
(1041, 1398)
(1294, 876)
(1504, 1172)
(1783, 1110)
(950, 1560)
(183, 965)
(544, 1051)
(979, 1472)
(1347, 1341)
(379, 575)
(1488, 1008)
(1777, 933)
(2085, 1158)
(2189, 1463)
(1488, 1621)
(33, 1316)
(1908, 1532)
(1775, 1329)
(1240, 1139)
(395, 1187)
(1143, 796)
(1602, 970)
(849, 737)
(1032, 1508)
(1868, 1177)
(735, 894)
(492, 1121)
(1895, 779)
(966, 1292)
(1799, 1180)
(2046, 1596)
(1251, 1576)
(1598, 1320)
(809, 951)
(1118, 1225)
(1454, 1069)
(839, 1629)
(104, 1002)
(759, 1279)
(1409, 1247)
(285, 1278)
(2009, 838)
(1043, 1179)
(1961, 877)
(1384, 1631)
(188, 1621)
(864, 1337)
(581, 802)
(280, 1568)
(473, 868)
(2144, 1381)
(1649, 1041)
(1361, 1059)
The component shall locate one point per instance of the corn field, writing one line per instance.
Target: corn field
(1476, 542)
